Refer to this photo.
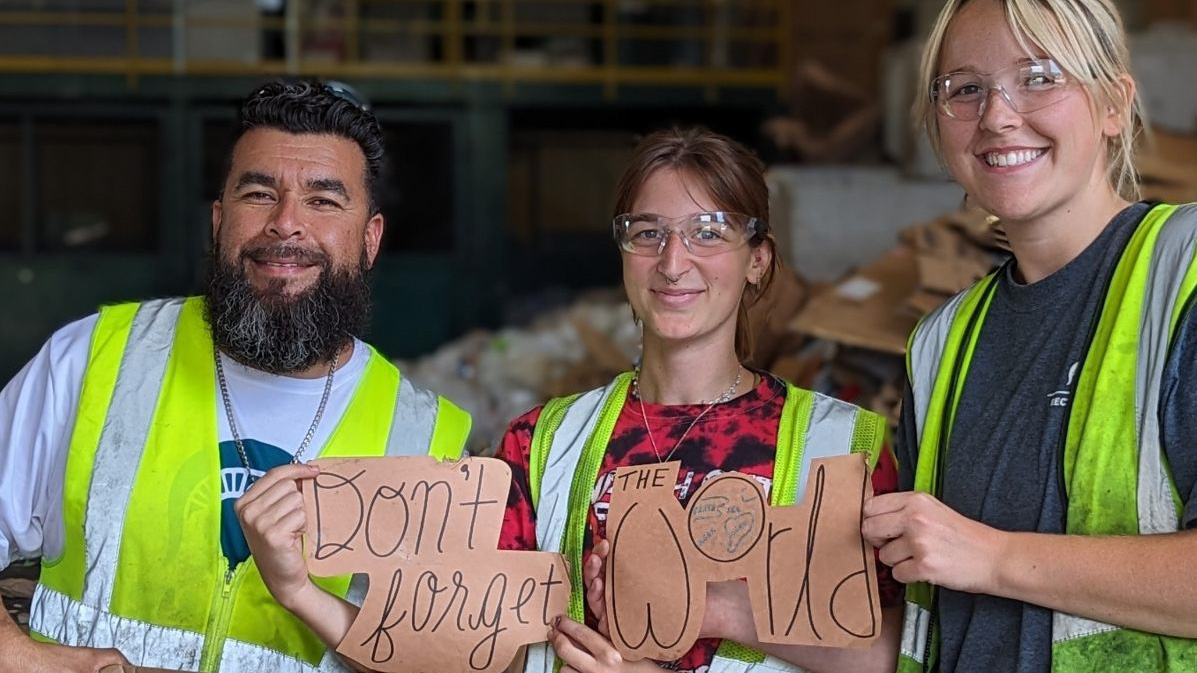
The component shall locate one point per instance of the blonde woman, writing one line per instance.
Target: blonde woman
(1047, 436)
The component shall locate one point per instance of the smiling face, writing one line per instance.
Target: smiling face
(1020, 166)
(682, 298)
(293, 238)
(292, 205)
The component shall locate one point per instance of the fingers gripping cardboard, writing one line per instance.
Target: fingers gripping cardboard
(441, 596)
(811, 576)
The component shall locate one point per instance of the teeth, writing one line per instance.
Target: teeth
(1016, 158)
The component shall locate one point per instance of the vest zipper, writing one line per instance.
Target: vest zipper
(929, 665)
(218, 619)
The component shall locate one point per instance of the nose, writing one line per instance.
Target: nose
(285, 220)
(997, 112)
(674, 259)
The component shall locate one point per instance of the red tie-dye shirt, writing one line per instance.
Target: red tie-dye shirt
(739, 435)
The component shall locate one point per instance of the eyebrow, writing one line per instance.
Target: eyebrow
(973, 69)
(255, 178)
(328, 185)
(331, 185)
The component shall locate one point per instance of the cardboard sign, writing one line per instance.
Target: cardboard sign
(441, 596)
(811, 576)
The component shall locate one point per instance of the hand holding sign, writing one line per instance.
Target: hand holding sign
(441, 597)
(811, 576)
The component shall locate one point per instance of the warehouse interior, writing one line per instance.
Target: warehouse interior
(507, 124)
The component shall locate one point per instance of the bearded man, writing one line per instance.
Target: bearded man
(126, 441)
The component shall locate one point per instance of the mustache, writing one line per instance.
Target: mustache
(285, 252)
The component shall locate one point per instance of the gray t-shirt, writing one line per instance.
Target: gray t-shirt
(1004, 452)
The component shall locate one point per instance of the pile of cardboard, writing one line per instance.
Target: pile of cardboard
(861, 323)
(951, 253)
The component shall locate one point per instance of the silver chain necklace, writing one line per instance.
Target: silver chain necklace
(726, 396)
(228, 410)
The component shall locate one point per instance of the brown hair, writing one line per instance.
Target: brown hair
(730, 173)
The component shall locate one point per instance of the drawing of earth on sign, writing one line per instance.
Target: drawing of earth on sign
(727, 520)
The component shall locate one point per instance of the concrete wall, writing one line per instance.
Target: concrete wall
(831, 219)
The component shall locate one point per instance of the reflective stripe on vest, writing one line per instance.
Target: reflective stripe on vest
(916, 627)
(1129, 490)
(115, 486)
(161, 647)
(812, 426)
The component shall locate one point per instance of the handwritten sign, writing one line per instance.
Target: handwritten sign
(441, 596)
(811, 576)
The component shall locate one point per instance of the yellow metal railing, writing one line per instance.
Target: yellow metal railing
(714, 43)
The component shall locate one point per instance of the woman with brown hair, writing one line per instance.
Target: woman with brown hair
(692, 227)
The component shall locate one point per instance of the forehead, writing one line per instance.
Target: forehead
(292, 155)
(668, 191)
(979, 37)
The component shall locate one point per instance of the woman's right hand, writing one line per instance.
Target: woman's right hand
(581, 649)
(592, 579)
(273, 518)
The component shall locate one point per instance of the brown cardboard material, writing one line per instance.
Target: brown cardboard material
(441, 596)
(1167, 163)
(811, 576)
(876, 321)
(769, 316)
(980, 227)
(947, 261)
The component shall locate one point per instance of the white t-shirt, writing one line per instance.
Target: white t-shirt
(37, 417)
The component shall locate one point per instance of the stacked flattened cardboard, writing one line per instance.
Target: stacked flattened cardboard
(863, 320)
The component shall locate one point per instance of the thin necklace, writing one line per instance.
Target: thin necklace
(724, 397)
(228, 410)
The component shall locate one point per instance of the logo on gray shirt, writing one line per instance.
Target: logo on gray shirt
(1060, 397)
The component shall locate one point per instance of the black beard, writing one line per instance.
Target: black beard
(279, 333)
